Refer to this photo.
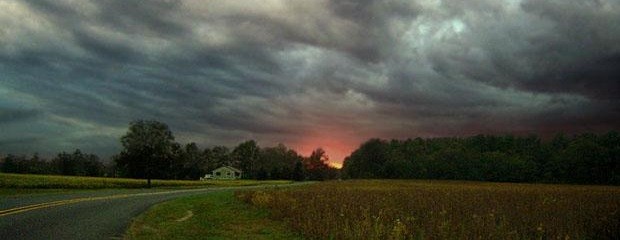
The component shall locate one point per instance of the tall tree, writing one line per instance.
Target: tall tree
(77, 164)
(245, 156)
(298, 172)
(193, 162)
(219, 156)
(148, 149)
(316, 165)
(367, 161)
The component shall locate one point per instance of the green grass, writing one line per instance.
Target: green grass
(14, 192)
(216, 215)
(8, 182)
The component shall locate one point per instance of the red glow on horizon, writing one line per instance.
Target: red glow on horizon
(336, 148)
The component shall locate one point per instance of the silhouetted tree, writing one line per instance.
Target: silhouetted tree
(22, 164)
(191, 163)
(584, 158)
(147, 150)
(220, 156)
(276, 162)
(316, 165)
(367, 161)
(298, 172)
(245, 156)
(77, 164)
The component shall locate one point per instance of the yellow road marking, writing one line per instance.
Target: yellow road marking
(76, 200)
(21, 209)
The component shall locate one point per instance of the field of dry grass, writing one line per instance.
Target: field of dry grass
(385, 209)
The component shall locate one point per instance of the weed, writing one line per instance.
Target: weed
(385, 209)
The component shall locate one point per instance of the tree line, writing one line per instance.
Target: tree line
(584, 159)
(151, 152)
(71, 164)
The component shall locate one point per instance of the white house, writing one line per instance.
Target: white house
(206, 177)
(225, 172)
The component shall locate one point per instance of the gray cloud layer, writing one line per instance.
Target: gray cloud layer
(306, 73)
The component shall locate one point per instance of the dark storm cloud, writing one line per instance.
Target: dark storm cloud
(548, 46)
(13, 115)
(74, 73)
(126, 16)
(580, 54)
(373, 37)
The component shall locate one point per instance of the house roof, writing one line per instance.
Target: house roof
(229, 167)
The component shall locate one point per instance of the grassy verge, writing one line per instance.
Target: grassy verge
(384, 209)
(29, 181)
(15, 192)
(216, 215)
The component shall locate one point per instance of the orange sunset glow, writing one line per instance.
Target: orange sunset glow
(338, 143)
(337, 150)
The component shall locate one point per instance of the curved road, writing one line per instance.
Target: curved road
(103, 214)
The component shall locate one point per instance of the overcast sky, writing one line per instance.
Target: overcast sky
(331, 74)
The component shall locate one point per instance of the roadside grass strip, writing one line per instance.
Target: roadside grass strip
(216, 215)
(33, 181)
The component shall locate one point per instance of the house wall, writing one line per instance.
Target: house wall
(225, 173)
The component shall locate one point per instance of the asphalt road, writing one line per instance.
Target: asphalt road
(103, 214)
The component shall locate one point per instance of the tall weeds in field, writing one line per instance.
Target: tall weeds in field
(445, 210)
